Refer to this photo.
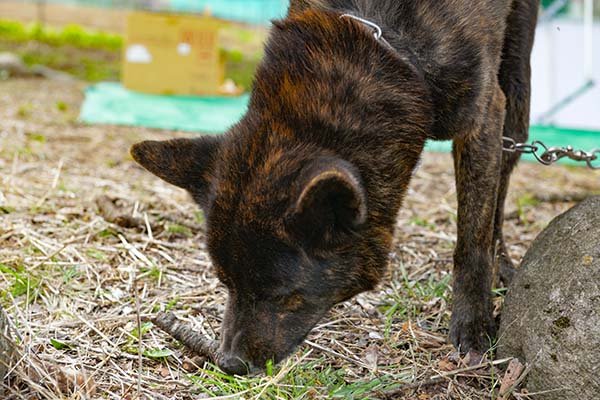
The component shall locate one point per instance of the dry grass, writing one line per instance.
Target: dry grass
(78, 287)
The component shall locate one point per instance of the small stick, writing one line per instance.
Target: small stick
(200, 345)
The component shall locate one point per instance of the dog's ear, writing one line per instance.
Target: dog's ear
(330, 202)
(187, 163)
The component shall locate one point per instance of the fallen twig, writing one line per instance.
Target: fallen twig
(200, 345)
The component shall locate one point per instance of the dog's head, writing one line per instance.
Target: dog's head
(288, 236)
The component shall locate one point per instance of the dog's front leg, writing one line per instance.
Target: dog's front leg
(477, 160)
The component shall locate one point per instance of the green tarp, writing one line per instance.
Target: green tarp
(110, 103)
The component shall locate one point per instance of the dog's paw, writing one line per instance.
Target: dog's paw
(472, 329)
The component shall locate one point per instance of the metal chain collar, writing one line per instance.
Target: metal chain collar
(544, 154)
(549, 155)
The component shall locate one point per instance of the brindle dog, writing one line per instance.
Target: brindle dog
(301, 196)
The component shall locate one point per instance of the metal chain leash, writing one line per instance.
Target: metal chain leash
(549, 155)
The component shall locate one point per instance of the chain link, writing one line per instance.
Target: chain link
(549, 155)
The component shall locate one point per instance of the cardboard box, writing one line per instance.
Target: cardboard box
(172, 54)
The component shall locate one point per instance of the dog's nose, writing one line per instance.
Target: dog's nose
(233, 365)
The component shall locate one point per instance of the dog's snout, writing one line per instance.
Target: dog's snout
(233, 365)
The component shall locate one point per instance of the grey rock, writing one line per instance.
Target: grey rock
(551, 316)
(49, 73)
(12, 65)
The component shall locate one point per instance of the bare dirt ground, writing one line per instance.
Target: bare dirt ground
(79, 287)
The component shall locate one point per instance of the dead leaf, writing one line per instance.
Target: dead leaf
(371, 357)
(513, 372)
(446, 365)
(164, 372)
(473, 358)
(193, 364)
(70, 381)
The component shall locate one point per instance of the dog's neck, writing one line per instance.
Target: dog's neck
(326, 87)
(324, 71)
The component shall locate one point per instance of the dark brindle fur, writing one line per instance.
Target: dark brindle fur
(301, 196)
